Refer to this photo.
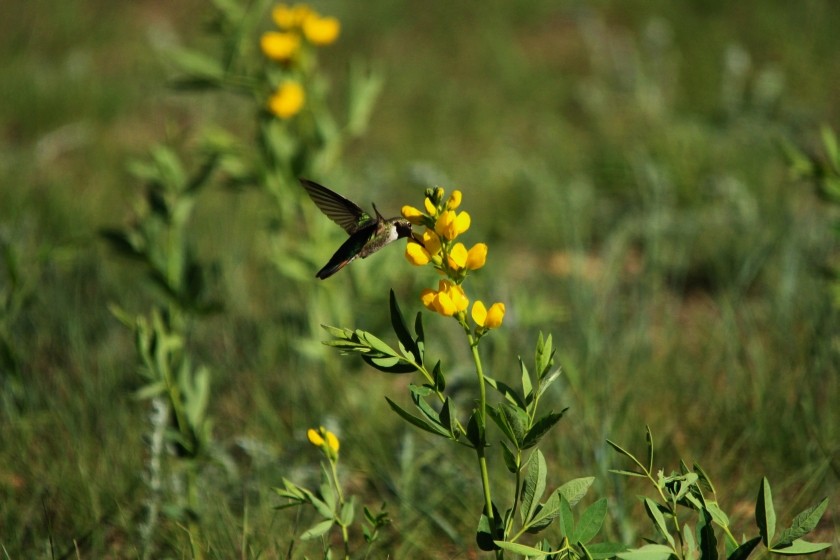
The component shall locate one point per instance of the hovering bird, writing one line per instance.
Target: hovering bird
(367, 234)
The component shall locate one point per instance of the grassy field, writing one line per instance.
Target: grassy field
(622, 160)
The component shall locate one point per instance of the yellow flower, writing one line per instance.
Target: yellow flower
(454, 200)
(324, 439)
(279, 45)
(458, 256)
(288, 100)
(431, 242)
(448, 300)
(289, 17)
(451, 224)
(321, 31)
(430, 207)
(417, 254)
(413, 215)
(488, 319)
(315, 437)
(473, 259)
(477, 256)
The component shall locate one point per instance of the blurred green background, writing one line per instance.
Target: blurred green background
(621, 159)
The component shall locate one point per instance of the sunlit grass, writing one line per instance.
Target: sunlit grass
(647, 222)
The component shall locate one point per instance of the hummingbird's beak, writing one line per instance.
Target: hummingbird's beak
(417, 239)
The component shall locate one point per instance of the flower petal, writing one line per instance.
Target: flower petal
(413, 215)
(458, 256)
(416, 254)
(495, 315)
(479, 313)
(454, 200)
(477, 256)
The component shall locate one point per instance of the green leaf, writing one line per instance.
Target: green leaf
(438, 378)
(830, 145)
(647, 552)
(743, 552)
(655, 514)
(447, 419)
(421, 336)
(544, 355)
(545, 514)
(627, 473)
(376, 343)
(475, 431)
(591, 521)
(621, 450)
(348, 512)
(547, 381)
(718, 515)
(706, 537)
(317, 530)
(510, 458)
(765, 515)
(411, 419)
(567, 519)
(389, 364)
(517, 419)
(541, 427)
(484, 537)
(649, 442)
(533, 487)
(704, 481)
(800, 546)
(517, 548)
(802, 524)
(527, 388)
(605, 549)
(401, 329)
(575, 489)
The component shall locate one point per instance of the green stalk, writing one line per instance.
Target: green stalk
(482, 421)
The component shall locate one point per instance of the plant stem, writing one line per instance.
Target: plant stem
(482, 422)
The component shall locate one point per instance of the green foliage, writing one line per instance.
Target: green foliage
(694, 491)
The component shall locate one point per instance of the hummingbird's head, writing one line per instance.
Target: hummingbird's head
(403, 228)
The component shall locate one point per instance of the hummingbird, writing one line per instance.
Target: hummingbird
(368, 234)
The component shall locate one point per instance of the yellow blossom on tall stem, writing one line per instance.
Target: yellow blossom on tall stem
(325, 439)
(321, 31)
(451, 224)
(280, 45)
(290, 17)
(288, 100)
(488, 318)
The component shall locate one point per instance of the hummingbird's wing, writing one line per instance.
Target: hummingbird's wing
(337, 208)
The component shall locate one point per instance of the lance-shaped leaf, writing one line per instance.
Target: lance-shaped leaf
(545, 514)
(765, 515)
(802, 524)
(744, 550)
(799, 547)
(317, 530)
(411, 419)
(591, 521)
(541, 427)
(655, 514)
(575, 489)
(521, 549)
(401, 330)
(533, 487)
(647, 552)
(706, 537)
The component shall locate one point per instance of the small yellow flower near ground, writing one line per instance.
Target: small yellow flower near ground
(451, 224)
(324, 439)
(279, 45)
(290, 17)
(321, 31)
(488, 318)
(288, 100)
(413, 215)
(315, 437)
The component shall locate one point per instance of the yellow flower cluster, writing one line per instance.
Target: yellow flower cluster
(325, 439)
(437, 246)
(296, 24)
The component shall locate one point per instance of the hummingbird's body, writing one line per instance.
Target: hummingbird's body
(368, 234)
